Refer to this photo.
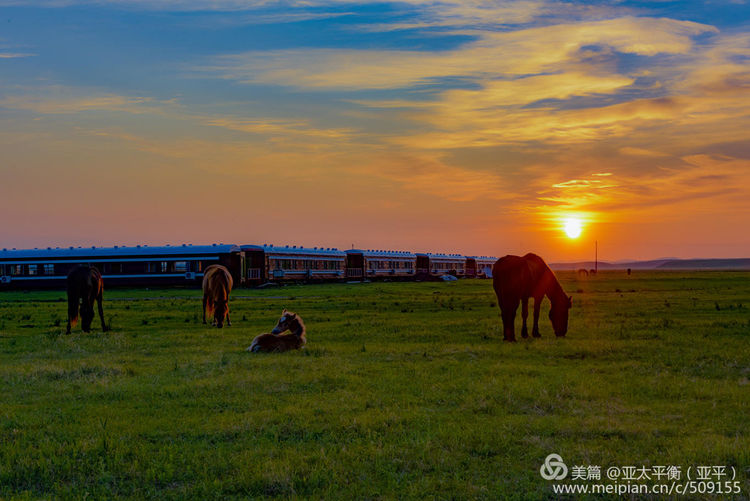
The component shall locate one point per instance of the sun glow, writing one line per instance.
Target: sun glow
(573, 227)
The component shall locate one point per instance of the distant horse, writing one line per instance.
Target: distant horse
(276, 341)
(583, 272)
(217, 284)
(85, 286)
(516, 279)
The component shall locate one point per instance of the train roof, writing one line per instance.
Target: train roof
(382, 253)
(117, 251)
(483, 258)
(441, 256)
(295, 250)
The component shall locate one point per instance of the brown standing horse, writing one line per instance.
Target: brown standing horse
(217, 284)
(516, 279)
(85, 286)
(277, 341)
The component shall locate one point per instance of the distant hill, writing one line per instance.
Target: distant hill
(661, 264)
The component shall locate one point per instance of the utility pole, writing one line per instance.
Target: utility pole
(596, 256)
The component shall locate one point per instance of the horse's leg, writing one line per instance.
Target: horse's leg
(537, 309)
(509, 318)
(229, 322)
(101, 311)
(85, 306)
(205, 298)
(524, 315)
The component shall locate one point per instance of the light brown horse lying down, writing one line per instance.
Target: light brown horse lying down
(276, 341)
(217, 284)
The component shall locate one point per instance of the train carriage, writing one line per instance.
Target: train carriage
(362, 264)
(437, 265)
(119, 265)
(269, 263)
(479, 266)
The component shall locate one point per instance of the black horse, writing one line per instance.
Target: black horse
(85, 286)
(516, 279)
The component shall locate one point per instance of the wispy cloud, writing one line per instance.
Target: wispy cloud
(430, 174)
(274, 127)
(495, 55)
(67, 102)
(15, 55)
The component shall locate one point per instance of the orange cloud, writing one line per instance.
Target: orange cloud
(519, 52)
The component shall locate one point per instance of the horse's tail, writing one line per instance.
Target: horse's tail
(73, 309)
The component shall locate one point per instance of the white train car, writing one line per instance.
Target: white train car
(380, 264)
(436, 264)
(270, 263)
(479, 266)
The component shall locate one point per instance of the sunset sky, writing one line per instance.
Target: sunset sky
(472, 126)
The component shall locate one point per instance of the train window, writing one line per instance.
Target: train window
(164, 266)
(49, 269)
(16, 269)
(180, 266)
(33, 269)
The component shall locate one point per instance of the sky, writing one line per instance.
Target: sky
(474, 126)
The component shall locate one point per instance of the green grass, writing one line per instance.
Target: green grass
(405, 390)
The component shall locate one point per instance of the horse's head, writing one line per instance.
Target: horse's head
(286, 322)
(558, 314)
(221, 309)
(87, 316)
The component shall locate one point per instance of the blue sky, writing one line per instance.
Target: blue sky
(475, 127)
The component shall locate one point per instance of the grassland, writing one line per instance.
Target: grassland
(406, 390)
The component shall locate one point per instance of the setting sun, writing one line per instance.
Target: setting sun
(573, 227)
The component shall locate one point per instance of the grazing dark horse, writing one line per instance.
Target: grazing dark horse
(277, 341)
(85, 286)
(583, 272)
(516, 279)
(217, 284)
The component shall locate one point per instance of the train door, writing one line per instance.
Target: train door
(471, 267)
(355, 265)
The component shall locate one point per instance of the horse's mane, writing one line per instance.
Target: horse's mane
(555, 290)
(300, 326)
